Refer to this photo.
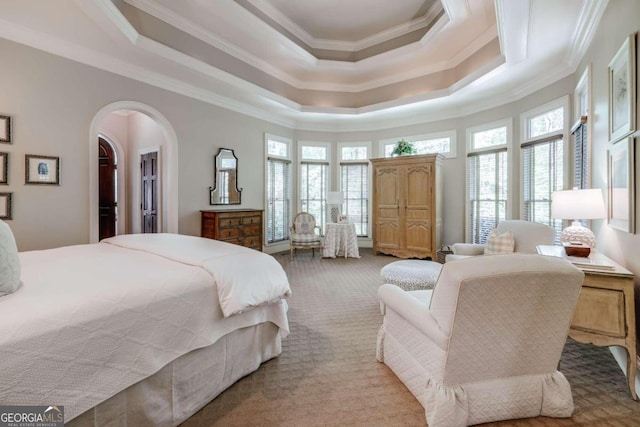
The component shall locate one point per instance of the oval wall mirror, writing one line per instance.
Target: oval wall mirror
(225, 172)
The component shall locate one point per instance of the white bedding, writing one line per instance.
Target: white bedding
(91, 320)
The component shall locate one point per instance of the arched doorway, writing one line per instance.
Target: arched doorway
(168, 171)
(108, 189)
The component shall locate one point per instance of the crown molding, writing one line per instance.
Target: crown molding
(340, 45)
(588, 23)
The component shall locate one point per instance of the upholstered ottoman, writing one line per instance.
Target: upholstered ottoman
(411, 275)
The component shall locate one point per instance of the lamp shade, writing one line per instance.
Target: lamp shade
(578, 204)
(335, 198)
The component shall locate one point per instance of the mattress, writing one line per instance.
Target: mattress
(92, 320)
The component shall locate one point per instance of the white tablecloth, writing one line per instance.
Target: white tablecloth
(340, 240)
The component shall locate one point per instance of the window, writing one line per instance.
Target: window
(443, 142)
(278, 189)
(543, 161)
(354, 184)
(542, 174)
(314, 180)
(487, 179)
(580, 132)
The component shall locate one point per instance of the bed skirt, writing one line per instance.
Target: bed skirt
(187, 384)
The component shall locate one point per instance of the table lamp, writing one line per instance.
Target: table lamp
(577, 205)
(334, 201)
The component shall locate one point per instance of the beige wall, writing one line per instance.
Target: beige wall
(53, 101)
(620, 19)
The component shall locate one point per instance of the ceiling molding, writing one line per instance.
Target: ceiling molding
(514, 36)
(342, 45)
(585, 30)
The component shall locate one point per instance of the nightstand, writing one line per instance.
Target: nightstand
(605, 313)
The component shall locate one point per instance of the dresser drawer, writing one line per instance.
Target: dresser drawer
(255, 219)
(252, 242)
(226, 233)
(600, 311)
(229, 222)
(252, 230)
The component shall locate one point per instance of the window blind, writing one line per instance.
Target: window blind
(580, 171)
(354, 178)
(542, 174)
(313, 190)
(278, 200)
(487, 185)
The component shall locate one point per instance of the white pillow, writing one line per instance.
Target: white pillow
(9, 261)
(499, 243)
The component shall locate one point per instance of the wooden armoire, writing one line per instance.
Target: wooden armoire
(407, 205)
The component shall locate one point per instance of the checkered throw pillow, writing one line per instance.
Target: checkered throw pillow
(499, 243)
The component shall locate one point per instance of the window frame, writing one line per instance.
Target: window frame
(471, 151)
(527, 140)
(288, 158)
(328, 162)
(340, 161)
(451, 134)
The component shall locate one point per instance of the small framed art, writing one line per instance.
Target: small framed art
(621, 186)
(5, 129)
(41, 169)
(4, 168)
(622, 90)
(5, 205)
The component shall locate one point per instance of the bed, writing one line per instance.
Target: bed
(138, 329)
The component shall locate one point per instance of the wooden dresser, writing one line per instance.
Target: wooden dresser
(238, 226)
(407, 205)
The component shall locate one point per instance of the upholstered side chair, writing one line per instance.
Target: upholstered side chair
(485, 343)
(305, 234)
(526, 235)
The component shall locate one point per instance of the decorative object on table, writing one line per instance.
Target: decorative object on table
(622, 90)
(334, 201)
(4, 168)
(343, 219)
(577, 205)
(578, 249)
(403, 148)
(6, 205)
(225, 187)
(41, 169)
(621, 213)
(5, 129)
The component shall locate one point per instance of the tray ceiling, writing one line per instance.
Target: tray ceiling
(324, 63)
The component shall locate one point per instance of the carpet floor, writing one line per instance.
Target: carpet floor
(328, 375)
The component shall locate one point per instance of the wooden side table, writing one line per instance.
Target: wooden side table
(605, 313)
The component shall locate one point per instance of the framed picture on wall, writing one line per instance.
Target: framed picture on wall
(621, 185)
(622, 90)
(41, 169)
(5, 129)
(4, 165)
(5, 205)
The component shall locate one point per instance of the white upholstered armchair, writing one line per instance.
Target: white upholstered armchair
(526, 235)
(484, 345)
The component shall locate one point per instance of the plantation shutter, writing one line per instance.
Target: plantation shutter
(487, 184)
(354, 179)
(579, 132)
(278, 199)
(542, 174)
